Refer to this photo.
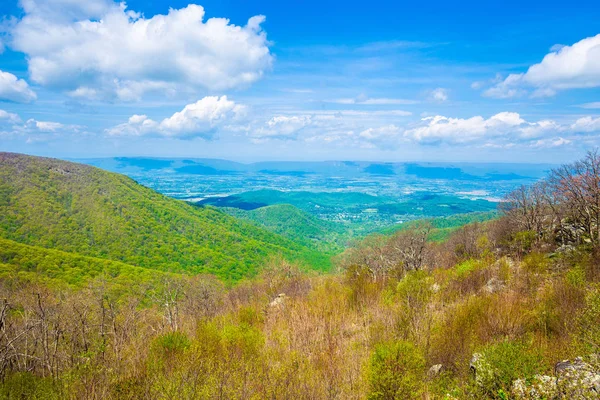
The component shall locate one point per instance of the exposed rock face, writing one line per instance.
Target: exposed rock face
(540, 387)
(435, 370)
(494, 285)
(279, 301)
(572, 380)
(483, 371)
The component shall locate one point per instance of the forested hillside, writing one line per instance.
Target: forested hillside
(507, 308)
(299, 226)
(82, 209)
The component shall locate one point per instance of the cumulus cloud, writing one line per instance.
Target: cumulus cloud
(14, 89)
(100, 49)
(565, 67)
(439, 95)
(502, 127)
(8, 118)
(282, 127)
(586, 125)
(389, 135)
(554, 142)
(198, 119)
(32, 130)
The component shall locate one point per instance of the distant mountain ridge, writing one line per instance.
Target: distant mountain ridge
(423, 170)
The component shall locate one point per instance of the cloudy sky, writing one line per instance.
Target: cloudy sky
(301, 80)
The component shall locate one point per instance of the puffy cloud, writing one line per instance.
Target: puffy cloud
(383, 132)
(99, 49)
(586, 125)
(565, 67)
(12, 127)
(198, 119)
(14, 89)
(8, 118)
(43, 126)
(282, 126)
(502, 126)
(439, 95)
(387, 136)
(553, 142)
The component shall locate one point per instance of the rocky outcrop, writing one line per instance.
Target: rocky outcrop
(494, 285)
(278, 301)
(572, 380)
(435, 370)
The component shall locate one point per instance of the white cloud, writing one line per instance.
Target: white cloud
(553, 142)
(593, 105)
(198, 119)
(389, 134)
(32, 130)
(565, 67)
(14, 89)
(439, 95)
(586, 125)
(43, 126)
(282, 127)
(100, 49)
(364, 100)
(504, 126)
(10, 118)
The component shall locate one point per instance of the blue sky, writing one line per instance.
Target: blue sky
(272, 80)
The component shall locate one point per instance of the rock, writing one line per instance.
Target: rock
(483, 371)
(435, 370)
(565, 248)
(494, 285)
(279, 301)
(540, 387)
(474, 362)
(573, 380)
(577, 379)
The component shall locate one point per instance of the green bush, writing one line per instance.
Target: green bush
(504, 362)
(588, 324)
(396, 372)
(28, 386)
(536, 262)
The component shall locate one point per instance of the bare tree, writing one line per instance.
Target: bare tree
(410, 246)
(578, 184)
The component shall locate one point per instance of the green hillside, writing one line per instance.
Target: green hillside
(82, 209)
(55, 267)
(361, 212)
(297, 225)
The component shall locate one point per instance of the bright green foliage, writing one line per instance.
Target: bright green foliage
(536, 262)
(506, 361)
(81, 209)
(31, 263)
(396, 372)
(28, 386)
(588, 337)
(298, 225)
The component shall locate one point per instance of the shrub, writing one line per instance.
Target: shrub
(396, 372)
(588, 325)
(536, 262)
(523, 241)
(503, 363)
